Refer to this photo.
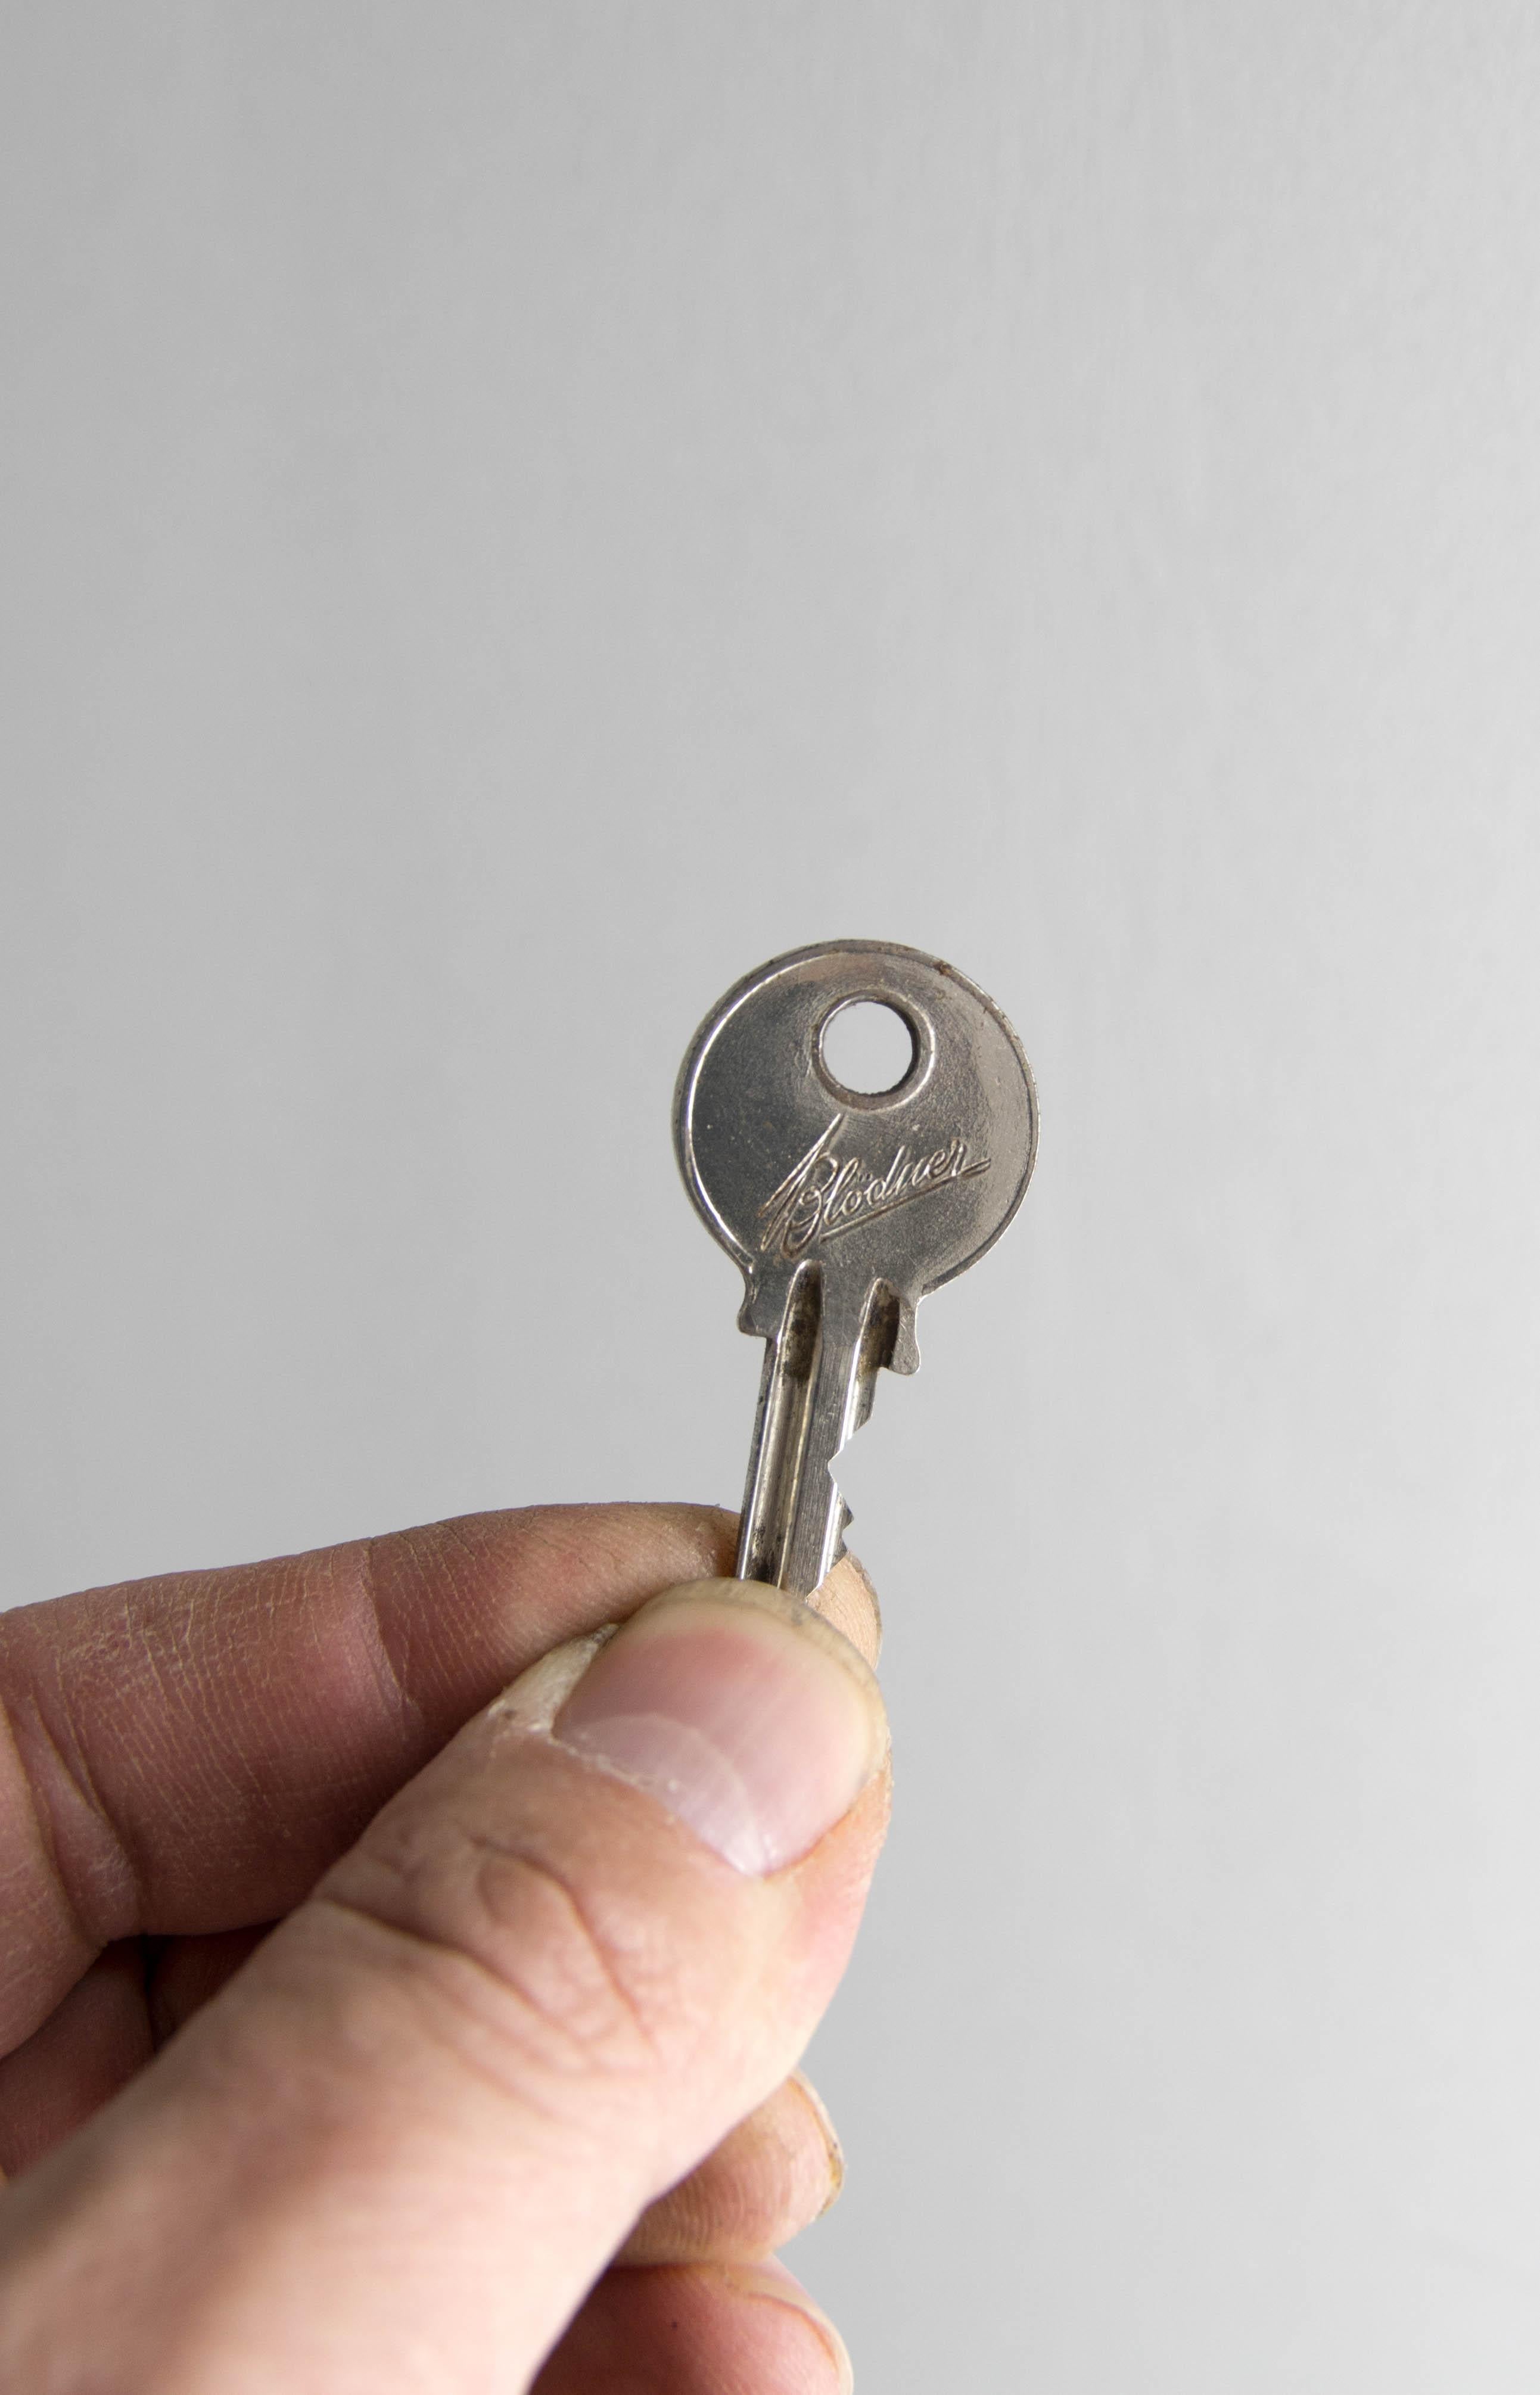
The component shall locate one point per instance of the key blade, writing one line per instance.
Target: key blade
(779, 1451)
(815, 1392)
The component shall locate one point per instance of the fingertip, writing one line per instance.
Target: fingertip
(849, 1602)
(813, 2103)
(772, 2283)
(698, 2329)
(771, 2175)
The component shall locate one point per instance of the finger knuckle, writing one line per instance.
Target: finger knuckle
(510, 1959)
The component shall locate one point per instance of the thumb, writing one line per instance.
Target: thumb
(399, 2147)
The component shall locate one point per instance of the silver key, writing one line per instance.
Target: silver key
(843, 1209)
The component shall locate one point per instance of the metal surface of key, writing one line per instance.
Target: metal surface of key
(844, 1208)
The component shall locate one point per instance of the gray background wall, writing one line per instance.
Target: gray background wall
(515, 514)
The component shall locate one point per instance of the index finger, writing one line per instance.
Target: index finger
(190, 1754)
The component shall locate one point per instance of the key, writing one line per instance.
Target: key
(844, 1208)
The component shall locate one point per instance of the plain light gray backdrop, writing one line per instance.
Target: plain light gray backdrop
(516, 513)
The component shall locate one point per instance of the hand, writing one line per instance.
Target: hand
(502, 2099)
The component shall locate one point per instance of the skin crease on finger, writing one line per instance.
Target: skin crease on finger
(765, 2181)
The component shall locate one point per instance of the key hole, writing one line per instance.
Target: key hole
(869, 1047)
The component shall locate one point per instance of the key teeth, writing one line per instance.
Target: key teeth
(763, 1309)
(906, 1347)
(763, 1304)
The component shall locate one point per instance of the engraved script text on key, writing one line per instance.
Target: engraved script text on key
(825, 1193)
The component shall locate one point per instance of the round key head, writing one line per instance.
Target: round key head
(786, 1161)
